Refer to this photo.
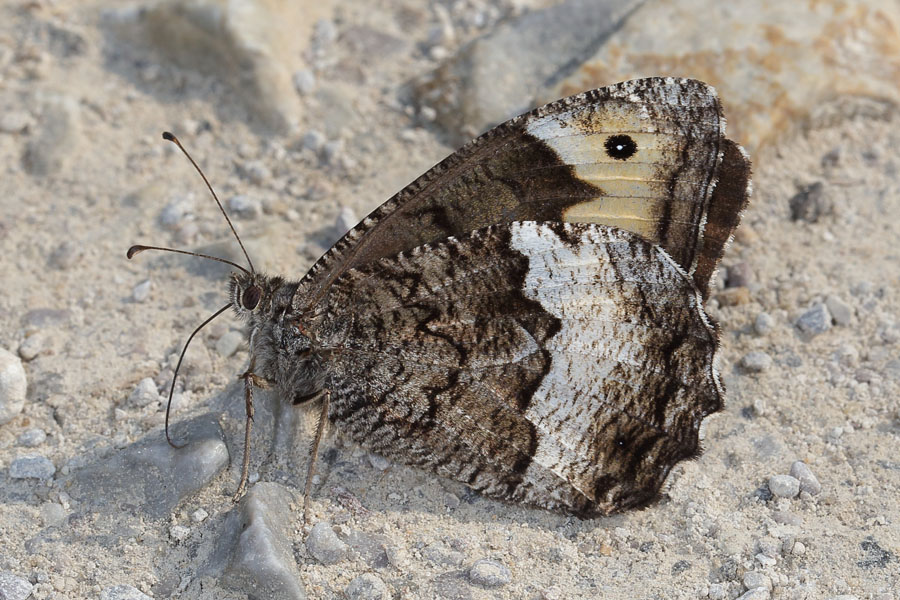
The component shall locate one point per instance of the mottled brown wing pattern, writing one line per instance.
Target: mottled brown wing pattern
(564, 366)
(642, 155)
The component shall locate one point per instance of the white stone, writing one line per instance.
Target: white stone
(13, 386)
(784, 486)
(144, 393)
(808, 481)
(13, 587)
(141, 291)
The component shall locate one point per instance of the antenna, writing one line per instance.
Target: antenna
(171, 137)
(138, 248)
(178, 366)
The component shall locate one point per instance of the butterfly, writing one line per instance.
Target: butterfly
(527, 316)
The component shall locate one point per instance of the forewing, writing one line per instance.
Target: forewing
(560, 163)
(556, 365)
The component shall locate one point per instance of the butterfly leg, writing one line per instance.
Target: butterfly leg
(250, 379)
(314, 451)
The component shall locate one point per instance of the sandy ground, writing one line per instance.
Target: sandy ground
(89, 328)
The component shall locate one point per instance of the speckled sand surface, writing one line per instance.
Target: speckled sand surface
(85, 174)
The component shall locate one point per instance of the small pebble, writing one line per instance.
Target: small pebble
(756, 362)
(32, 347)
(244, 206)
(32, 438)
(489, 573)
(753, 579)
(176, 211)
(739, 275)
(314, 140)
(52, 514)
(144, 393)
(34, 466)
(123, 592)
(366, 587)
(346, 220)
(13, 385)
(199, 515)
(378, 462)
(841, 312)
(65, 255)
(799, 549)
(304, 82)
(332, 151)
(810, 203)
(808, 481)
(764, 323)
(755, 594)
(13, 587)
(717, 591)
(15, 121)
(179, 533)
(229, 343)
(815, 321)
(141, 291)
(784, 486)
(765, 561)
(324, 545)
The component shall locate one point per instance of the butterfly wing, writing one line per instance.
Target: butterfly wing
(644, 155)
(557, 365)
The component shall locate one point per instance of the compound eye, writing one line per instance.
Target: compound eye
(250, 297)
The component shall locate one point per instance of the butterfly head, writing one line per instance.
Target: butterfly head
(251, 293)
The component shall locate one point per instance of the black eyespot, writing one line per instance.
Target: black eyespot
(250, 297)
(620, 147)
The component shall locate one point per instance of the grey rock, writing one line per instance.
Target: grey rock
(199, 515)
(65, 255)
(33, 466)
(755, 594)
(808, 481)
(716, 591)
(176, 211)
(378, 461)
(123, 592)
(229, 343)
(784, 486)
(52, 514)
(841, 312)
(141, 291)
(754, 579)
(324, 545)
(314, 140)
(366, 587)
(32, 438)
(13, 587)
(304, 82)
(500, 75)
(739, 275)
(15, 121)
(153, 475)
(245, 207)
(13, 386)
(59, 133)
(257, 172)
(144, 393)
(259, 534)
(489, 573)
(33, 346)
(764, 323)
(814, 321)
(756, 362)
(179, 533)
(810, 204)
(252, 46)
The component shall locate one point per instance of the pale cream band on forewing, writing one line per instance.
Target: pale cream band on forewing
(634, 191)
